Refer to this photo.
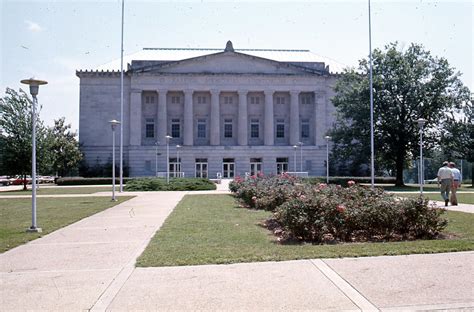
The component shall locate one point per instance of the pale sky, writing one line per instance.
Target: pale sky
(51, 39)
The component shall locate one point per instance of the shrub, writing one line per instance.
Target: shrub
(89, 181)
(343, 180)
(176, 184)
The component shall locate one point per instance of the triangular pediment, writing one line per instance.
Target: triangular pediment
(224, 63)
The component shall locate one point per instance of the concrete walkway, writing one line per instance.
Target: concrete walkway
(89, 265)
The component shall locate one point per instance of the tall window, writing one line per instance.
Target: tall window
(175, 128)
(254, 128)
(175, 100)
(280, 128)
(201, 99)
(254, 100)
(306, 99)
(201, 128)
(149, 128)
(149, 99)
(227, 128)
(228, 100)
(282, 164)
(280, 100)
(305, 128)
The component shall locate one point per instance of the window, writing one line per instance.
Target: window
(306, 99)
(282, 164)
(280, 100)
(149, 128)
(175, 100)
(254, 128)
(201, 128)
(175, 128)
(149, 99)
(254, 100)
(280, 128)
(227, 128)
(228, 99)
(202, 100)
(305, 128)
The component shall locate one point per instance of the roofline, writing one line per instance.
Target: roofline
(214, 49)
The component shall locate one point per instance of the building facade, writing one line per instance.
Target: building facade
(229, 112)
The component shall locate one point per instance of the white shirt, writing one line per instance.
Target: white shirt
(445, 173)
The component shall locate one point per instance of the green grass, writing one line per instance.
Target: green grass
(463, 198)
(212, 229)
(52, 214)
(61, 190)
(426, 187)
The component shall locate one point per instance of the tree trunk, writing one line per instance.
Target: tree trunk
(24, 183)
(399, 169)
(472, 175)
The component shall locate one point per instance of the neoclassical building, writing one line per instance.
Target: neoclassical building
(228, 111)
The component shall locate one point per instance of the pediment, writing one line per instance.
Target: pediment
(224, 63)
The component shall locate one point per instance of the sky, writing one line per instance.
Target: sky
(50, 40)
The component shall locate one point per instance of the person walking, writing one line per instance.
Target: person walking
(445, 180)
(457, 180)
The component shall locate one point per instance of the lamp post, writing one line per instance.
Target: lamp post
(421, 122)
(156, 157)
(327, 137)
(178, 163)
(295, 147)
(113, 123)
(168, 137)
(34, 88)
(372, 148)
(301, 156)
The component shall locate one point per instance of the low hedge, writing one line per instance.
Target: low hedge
(89, 181)
(176, 184)
(343, 180)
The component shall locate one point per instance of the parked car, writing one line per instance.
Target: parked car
(4, 180)
(19, 180)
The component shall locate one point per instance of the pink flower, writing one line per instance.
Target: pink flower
(254, 198)
(322, 186)
(351, 183)
(341, 208)
(302, 196)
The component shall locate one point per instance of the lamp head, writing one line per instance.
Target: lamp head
(34, 85)
(421, 122)
(114, 123)
(327, 137)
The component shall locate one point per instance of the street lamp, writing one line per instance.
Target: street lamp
(421, 122)
(168, 137)
(295, 147)
(113, 123)
(301, 156)
(178, 165)
(327, 137)
(34, 88)
(156, 157)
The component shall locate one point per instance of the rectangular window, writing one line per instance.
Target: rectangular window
(280, 128)
(254, 128)
(201, 100)
(306, 99)
(280, 100)
(227, 128)
(254, 100)
(201, 128)
(175, 100)
(228, 99)
(149, 128)
(282, 164)
(304, 128)
(175, 128)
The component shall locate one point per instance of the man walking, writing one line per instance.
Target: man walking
(457, 180)
(445, 180)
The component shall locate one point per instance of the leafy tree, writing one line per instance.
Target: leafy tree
(63, 148)
(16, 126)
(407, 85)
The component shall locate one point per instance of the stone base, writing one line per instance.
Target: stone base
(34, 230)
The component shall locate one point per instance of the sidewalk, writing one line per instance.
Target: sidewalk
(90, 265)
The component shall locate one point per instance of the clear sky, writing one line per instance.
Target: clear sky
(51, 39)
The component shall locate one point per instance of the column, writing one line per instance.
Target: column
(269, 131)
(294, 118)
(243, 122)
(136, 117)
(188, 118)
(162, 117)
(320, 117)
(215, 118)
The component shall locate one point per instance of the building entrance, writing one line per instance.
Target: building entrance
(201, 168)
(228, 168)
(255, 166)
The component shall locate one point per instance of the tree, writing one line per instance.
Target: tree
(407, 85)
(16, 126)
(63, 148)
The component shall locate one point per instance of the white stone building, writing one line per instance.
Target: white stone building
(230, 111)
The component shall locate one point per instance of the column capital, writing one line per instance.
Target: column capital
(242, 92)
(294, 92)
(269, 92)
(188, 91)
(214, 92)
(162, 91)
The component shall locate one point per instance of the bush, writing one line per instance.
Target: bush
(176, 184)
(343, 180)
(89, 181)
(356, 213)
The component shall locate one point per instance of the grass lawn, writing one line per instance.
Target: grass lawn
(211, 229)
(52, 214)
(426, 187)
(61, 190)
(464, 198)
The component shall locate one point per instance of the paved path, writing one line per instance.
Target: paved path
(89, 265)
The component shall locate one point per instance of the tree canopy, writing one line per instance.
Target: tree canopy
(408, 85)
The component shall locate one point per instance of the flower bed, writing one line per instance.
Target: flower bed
(322, 213)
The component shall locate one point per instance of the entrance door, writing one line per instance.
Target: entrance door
(228, 170)
(255, 168)
(201, 170)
